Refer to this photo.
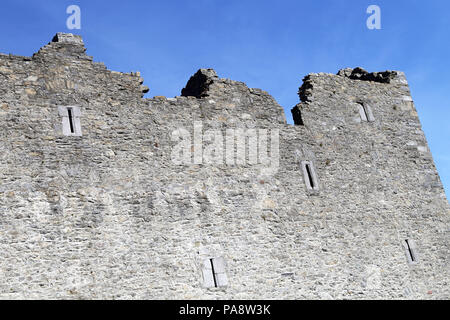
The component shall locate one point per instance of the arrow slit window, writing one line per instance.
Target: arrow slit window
(310, 176)
(365, 112)
(70, 117)
(411, 251)
(214, 275)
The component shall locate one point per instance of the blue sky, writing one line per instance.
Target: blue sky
(270, 45)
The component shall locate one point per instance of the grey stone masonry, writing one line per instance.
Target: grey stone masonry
(93, 205)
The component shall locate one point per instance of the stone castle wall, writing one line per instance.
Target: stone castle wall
(109, 214)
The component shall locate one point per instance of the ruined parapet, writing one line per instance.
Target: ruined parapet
(61, 72)
(64, 46)
(317, 88)
(232, 101)
(363, 75)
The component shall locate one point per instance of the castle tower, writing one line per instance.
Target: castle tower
(211, 194)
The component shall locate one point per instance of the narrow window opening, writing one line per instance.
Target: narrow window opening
(362, 112)
(69, 110)
(410, 251)
(213, 272)
(70, 116)
(310, 178)
(365, 112)
(214, 275)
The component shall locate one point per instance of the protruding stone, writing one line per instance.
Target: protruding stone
(347, 72)
(30, 91)
(68, 38)
(145, 89)
(199, 83)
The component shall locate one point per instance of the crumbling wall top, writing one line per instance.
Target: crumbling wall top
(360, 74)
(68, 38)
(62, 47)
(199, 83)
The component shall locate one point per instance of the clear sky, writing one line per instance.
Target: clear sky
(270, 45)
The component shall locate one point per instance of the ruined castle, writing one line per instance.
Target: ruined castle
(94, 203)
